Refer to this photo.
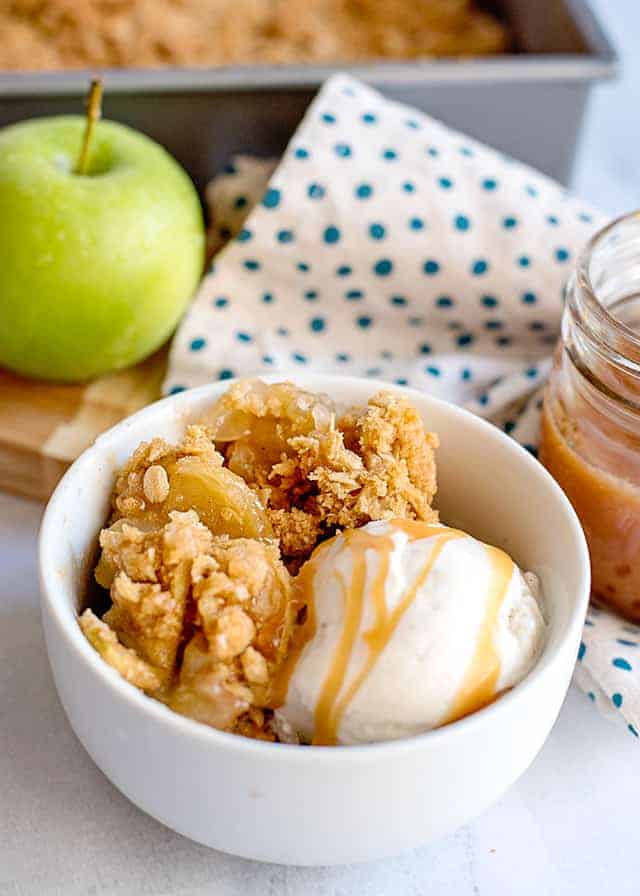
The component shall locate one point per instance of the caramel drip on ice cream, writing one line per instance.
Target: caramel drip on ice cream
(353, 593)
(330, 706)
(304, 595)
(481, 677)
(379, 635)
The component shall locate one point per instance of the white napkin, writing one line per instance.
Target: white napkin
(387, 245)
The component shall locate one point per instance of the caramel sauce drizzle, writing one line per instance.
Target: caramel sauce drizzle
(325, 716)
(303, 597)
(379, 635)
(330, 707)
(478, 688)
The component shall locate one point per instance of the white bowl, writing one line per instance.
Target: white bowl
(319, 805)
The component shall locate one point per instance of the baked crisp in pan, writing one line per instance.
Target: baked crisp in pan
(70, 34)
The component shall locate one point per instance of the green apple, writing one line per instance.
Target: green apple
(95, 268)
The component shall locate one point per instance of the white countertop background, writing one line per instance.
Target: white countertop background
(569, 826)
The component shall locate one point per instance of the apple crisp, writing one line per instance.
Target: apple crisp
(67, 34)
(314, 472)
(206, 536)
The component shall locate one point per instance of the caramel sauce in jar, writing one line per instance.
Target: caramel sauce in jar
(590, 435)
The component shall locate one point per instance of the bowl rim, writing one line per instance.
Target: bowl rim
(54, 596)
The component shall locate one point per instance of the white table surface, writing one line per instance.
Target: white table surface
(569, 826)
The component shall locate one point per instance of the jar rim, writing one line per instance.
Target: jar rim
(617, 336)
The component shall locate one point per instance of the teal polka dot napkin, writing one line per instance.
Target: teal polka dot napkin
(608, 667)
(386, 245)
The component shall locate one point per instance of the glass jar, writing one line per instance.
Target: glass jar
(590, 437)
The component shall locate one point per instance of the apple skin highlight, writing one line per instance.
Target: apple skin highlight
(95, 269)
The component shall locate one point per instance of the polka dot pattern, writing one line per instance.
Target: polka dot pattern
(331, 235)
(608, 668)
(359, 178)
(315, 191)
(271, 198)
(383, 267)
(461, 223)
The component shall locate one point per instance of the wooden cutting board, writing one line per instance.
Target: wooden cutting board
(44, 426)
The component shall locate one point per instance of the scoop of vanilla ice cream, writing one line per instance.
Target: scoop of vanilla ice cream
(412, 625)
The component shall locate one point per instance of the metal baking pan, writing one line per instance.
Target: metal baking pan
(529, 104)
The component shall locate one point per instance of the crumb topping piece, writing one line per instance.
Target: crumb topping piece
(160, 478)
(155, 484)
(315, 474)
(125, 661)
(201, 622)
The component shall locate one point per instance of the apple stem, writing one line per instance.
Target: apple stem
(94, 112)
